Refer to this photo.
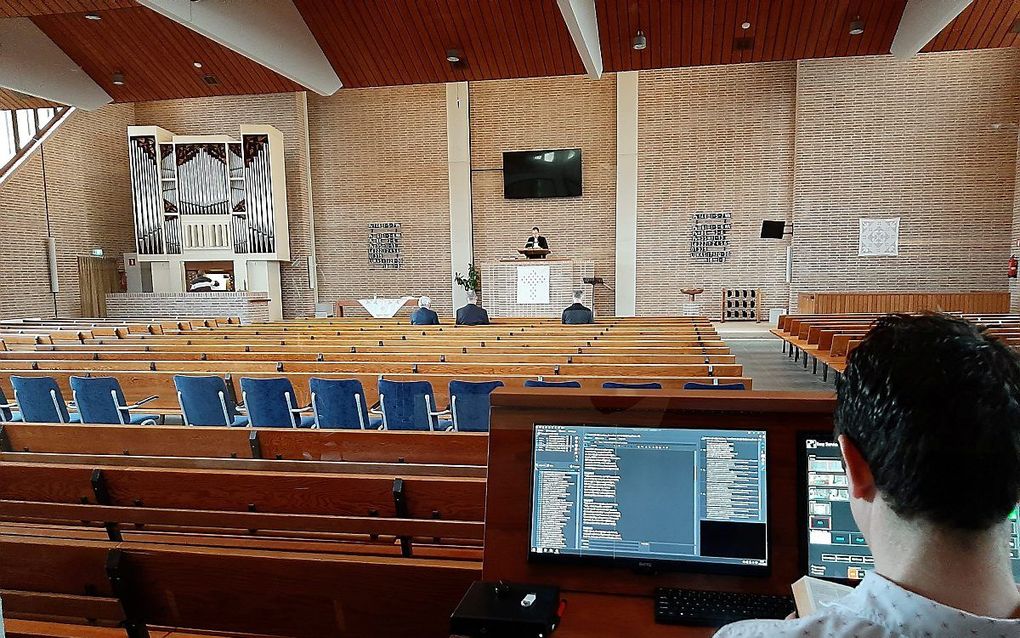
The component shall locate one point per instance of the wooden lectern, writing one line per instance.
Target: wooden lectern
(534, 253)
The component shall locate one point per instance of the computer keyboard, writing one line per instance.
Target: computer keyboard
(674, 606)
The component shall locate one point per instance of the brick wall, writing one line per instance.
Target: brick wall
(564, 112)
(1014, 284)
(224, 116)
(713, 140)
(821, 143)
(884, 138)
(380, 155)
(88, 195)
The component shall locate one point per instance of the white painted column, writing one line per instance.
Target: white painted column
(458, 139)
(626, 192)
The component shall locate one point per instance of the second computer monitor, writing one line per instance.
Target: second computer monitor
(656, 498)
(833, 545)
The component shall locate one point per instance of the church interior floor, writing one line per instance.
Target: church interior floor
(761, 354)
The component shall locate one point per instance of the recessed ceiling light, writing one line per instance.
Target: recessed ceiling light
(197, 65)
(640, 42)
(452, 56)
(745, 26)
(857, 26)
(118, 78)
(93, 16)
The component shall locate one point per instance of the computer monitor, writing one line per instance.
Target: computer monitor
(832, 544)
(651, 498)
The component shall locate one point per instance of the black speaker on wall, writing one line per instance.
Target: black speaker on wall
(772, 229)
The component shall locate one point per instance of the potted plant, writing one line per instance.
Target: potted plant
(472, 282)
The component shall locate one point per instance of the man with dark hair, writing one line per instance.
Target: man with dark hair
(536, 240)
(928, 421)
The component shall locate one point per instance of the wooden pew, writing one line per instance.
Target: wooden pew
(248, 592)
(448, 449)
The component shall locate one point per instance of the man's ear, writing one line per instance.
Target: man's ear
(862, 481)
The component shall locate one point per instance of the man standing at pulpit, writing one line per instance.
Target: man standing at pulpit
(536, 240)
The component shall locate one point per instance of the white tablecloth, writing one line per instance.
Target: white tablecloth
(381, 307)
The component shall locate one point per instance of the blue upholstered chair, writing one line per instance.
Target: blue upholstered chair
(101, 400)
(271, 403)
(470, 403)
(8, 410)
(694, 385)
(41, 401)
(205, 400)
(538, 383)
(410, 405)
(616, 385)
(341, 404)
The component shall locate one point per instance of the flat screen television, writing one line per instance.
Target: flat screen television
(539, 174)
(650, 498)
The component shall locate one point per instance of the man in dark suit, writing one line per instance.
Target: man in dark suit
(536, 240)
(424, 315)
(576, 313)
(472, 314)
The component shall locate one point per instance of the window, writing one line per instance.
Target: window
(22, 130)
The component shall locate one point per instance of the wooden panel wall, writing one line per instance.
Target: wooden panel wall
(843, 302)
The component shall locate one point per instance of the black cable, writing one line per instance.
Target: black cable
(46, 208)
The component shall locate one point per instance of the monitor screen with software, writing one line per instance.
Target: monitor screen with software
(655, 498)
(835, 547)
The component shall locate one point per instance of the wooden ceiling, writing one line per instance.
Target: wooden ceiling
(697, 32)
(14, 100)
(156, 56)
(14, 8)
(372, 43)
(389, 42)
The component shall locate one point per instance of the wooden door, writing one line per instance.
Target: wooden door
(96, 277)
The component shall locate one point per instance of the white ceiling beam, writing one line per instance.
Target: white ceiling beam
(584, 29)
(270, 32)
(923, 20)
(32, 64)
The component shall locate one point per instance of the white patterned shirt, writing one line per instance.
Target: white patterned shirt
(879, 608)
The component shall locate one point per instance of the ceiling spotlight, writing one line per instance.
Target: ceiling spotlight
(452, 56)
(745, 26)
(197, 65)
(118, 78)
(857, 26)
(640, 42)
(93, 16)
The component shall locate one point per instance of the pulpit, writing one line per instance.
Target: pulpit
(530, 288)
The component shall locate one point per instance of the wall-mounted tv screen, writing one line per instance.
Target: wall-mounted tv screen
(535, 174)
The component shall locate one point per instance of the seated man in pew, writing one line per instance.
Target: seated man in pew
(424, 315)
(577, 313)
(472, 314)
(928, 420)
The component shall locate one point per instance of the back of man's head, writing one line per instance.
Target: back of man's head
(933, 405)
(424, 302)
(578, 296)
(472, 296)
